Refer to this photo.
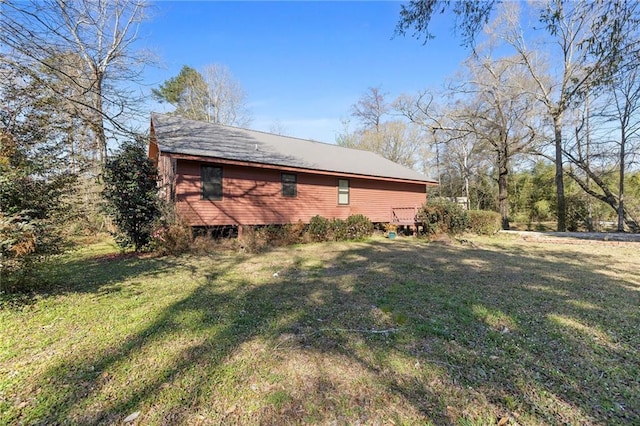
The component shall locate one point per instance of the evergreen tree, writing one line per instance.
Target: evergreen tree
(130, 191)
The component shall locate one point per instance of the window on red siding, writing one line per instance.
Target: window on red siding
(211, 182)
(289, 185)
(343, 191)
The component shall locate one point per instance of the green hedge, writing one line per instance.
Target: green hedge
(483, 222)
(442, 217)
(355, 227)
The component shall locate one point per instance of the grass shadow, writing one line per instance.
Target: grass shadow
(401, 331)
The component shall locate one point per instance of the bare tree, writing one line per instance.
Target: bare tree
(589, 39)
(370, 108)
(586, 54)
(227, 99)
(87, 46)
(606, 138)
(500, 112)
(491, 115)
(278, 127)
(626, 96)
(397, 140)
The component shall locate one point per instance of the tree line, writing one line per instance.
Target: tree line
(554, 82)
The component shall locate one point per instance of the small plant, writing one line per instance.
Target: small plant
(390, 227)
(174, 238)
(253, 239)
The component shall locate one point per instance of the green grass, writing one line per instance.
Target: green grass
(390, 332)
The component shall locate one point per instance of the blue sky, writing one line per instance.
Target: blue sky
(302, 64)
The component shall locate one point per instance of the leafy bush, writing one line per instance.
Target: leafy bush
(442, 217)
(358, 227)
(338, 230)
(319, 229)
(483, 222)
(131, 193)
(355, 227)
(577, 213)
(33, 207)
(390, 227)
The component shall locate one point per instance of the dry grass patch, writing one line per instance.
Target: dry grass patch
(377, 332)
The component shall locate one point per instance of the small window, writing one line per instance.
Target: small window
(211, 179)
(289, 185)
(343, 191)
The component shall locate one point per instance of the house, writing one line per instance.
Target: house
(221, 175)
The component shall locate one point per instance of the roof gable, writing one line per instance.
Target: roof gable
(182, 136)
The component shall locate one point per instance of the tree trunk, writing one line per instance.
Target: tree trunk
(559, 178)
(503, 190)
(98, 122)
(621, 183)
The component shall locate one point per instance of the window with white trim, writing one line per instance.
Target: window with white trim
(343, 191)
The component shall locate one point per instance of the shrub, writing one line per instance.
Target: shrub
(294, 233)
(358, 227)
(33, 205)
(355, 227)
(442, 217)
(171, 234)
(252, 240)
(173, 238)
(259, 238)
(338, 230)
(130, 181)
(275, 235)
(577, 213)
(319, 228)
(483, 222)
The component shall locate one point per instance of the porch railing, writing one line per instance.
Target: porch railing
(404, 215)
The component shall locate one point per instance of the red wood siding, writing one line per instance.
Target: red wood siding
(253, 196)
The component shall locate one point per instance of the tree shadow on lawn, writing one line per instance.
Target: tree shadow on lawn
(545, 334)
(488, 332)
(97, 274)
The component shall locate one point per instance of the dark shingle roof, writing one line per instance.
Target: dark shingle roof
(182, 136)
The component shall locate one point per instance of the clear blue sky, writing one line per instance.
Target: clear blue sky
(302, 64)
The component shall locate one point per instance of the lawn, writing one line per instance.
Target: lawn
(492, 330)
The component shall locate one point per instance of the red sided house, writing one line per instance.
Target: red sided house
(221, 175)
